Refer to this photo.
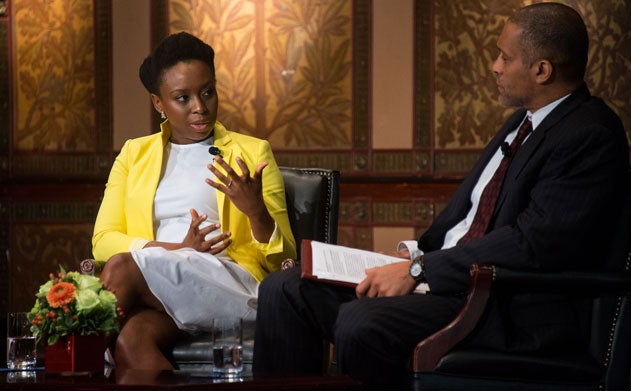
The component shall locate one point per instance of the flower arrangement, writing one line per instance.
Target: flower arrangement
(73, 303)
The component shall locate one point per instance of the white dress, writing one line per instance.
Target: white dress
(194, 287)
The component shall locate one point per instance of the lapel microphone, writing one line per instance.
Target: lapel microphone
(214, 151)
(505, 147)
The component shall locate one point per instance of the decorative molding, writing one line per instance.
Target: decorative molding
(357, 237)
(422, 161)
(73, 211)
(424, 213)
(365, 205)
(361, 161)
(454, 163)
(415, 212)
(50, 165)
(393, 162)
(386, 213)
(334, 160)
(354, 211)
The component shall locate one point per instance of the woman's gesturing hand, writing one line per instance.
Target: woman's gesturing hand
(196, 237)
(245, 191)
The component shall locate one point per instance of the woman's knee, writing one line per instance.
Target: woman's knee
(147, 327)
(117, 269)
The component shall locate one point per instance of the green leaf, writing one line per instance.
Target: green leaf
(53, 339)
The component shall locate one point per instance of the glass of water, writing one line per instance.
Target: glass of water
(227, 347)
(21, 349)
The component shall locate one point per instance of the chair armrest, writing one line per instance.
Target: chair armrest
(91, 267)
(431, 349)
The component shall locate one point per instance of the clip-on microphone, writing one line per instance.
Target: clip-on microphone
(215, 151)
(505, 147)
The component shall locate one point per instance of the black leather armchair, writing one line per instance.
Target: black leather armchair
(443, 360)
(312, 196)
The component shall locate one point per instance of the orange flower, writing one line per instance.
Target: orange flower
(61, 294)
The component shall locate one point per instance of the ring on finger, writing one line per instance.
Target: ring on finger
(229, 183)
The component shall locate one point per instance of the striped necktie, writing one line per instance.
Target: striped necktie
(492, 190)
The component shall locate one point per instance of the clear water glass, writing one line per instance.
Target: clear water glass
(21, 348)
(227, 347)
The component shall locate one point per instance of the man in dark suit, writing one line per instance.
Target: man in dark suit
(553, 208)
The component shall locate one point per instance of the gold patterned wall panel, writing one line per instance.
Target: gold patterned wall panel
(4, 96)
(466, 113)
(287, 72)
(465, 110)
(54, 62)
(60, 88)
(283, 67)
(607, 75)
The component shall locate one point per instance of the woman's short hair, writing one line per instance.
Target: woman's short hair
(173, 49)
(554, 32)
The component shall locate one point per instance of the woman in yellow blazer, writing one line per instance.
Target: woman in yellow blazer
(192, 217)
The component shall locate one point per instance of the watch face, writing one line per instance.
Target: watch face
(415, 269)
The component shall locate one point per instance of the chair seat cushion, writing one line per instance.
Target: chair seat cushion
(579, 366)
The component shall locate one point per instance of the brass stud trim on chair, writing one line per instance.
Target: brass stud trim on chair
(612, 331)
(330, 178)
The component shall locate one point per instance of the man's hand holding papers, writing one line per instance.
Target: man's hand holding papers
(372, 274)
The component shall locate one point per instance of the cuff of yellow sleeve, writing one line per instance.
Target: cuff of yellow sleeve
(138, 243)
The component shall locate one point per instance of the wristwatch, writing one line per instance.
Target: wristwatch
(417, 269)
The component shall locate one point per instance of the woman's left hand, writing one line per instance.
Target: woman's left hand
(245, 191)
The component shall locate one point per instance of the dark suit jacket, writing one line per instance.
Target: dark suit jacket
(556, 211)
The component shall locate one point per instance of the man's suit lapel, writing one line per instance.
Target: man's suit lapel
(536, 138)
(511, 124)
(460, 203)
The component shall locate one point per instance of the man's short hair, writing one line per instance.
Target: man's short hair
(554, 32)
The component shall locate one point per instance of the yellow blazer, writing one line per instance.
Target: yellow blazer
(126, 212)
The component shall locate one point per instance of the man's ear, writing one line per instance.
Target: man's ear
(157, 103)
(544, 71)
